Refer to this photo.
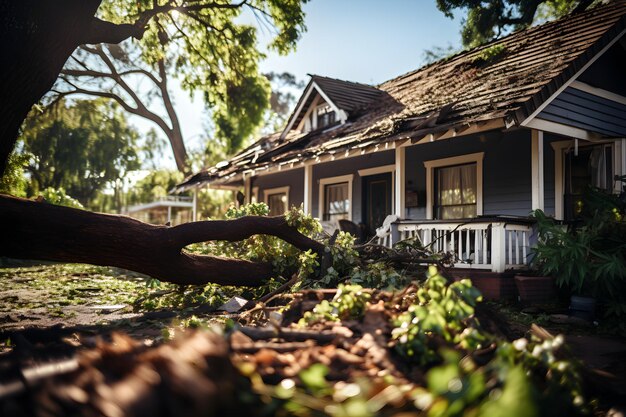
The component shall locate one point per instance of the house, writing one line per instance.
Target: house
(170, 209)
(460, 150)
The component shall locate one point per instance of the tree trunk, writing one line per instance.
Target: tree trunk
(33, 230)
(36, 38)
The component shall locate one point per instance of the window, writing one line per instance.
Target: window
(336, 202)
(277, 199)
(455, 192)
(454, 187)
(593, 166)
(336, 198)
(325, 116)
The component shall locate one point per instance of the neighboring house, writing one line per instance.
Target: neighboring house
(462, 149)
(171, 209)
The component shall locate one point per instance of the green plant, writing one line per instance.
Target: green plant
(442, 313)
(348, 303)
(589, 255)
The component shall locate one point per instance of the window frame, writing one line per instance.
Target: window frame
(278, 190)
(560, 147)
(431, 165)
(323, 182)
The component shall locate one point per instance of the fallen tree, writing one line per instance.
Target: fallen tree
(36, 39)
(37, 230)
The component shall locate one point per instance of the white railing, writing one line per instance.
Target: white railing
(496, 244)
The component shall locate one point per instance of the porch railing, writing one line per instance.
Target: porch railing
(495, 243)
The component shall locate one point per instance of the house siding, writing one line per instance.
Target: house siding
(347, 166)
(293, 178)
(587, 111)
(506, 170)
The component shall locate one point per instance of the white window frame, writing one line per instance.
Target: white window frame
(335, 180)
(430, 166)
(559, 171)
(278, 190)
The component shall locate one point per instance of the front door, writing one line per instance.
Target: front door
(377, 203)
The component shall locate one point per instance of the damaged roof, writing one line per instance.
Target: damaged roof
(507, 79)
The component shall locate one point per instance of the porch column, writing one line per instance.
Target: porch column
(537, 169)
(169, 214)
(498, 247)
(399, 186)
(308, 187)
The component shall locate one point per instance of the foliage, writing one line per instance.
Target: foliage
(348, 303)
(81, 148)
(285, 86)
(156, 184)
(59, 198)
(13, 181)
(442, 310)
(462, 370)
(207, 47)
(589, 256)
(489, 19)
(490, 54)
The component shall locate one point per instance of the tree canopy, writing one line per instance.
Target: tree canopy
(79, 148)
(487, 19)
(210, 46)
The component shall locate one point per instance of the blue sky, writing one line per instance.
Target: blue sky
(366, 41)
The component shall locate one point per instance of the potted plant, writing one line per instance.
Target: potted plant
(588, 256)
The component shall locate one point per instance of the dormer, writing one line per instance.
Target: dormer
(327, 102)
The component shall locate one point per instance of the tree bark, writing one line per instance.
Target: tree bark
(34, 230)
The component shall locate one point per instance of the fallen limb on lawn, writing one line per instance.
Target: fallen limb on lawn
(37, 230)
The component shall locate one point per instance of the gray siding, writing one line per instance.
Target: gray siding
(506, 170)
(345, 167)
(586, 111)
(294, 178)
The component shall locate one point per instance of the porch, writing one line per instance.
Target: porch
(494, 243)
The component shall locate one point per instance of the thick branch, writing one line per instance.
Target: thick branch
(33, 230)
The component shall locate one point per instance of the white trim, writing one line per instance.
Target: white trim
(376, 170)
(559, 172)
(600, 92)
(571, 80)
(561, 129)
(536, 173)
(400, 182)
(341, 115)
(255, 195)
(454, 160)
(308, 188)
(335, 180)
(278, 190)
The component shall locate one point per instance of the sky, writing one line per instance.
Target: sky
(367, 41)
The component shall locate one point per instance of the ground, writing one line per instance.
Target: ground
(50, 312)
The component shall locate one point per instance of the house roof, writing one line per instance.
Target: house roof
(507, 79)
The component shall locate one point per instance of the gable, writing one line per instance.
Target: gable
(327, 101)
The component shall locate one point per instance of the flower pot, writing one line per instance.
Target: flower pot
(535, 289)
(582, 307)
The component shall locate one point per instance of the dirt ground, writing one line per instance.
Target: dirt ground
(51, 311)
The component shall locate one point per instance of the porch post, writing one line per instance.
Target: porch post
(537, 169)
(498, 247)
(399, 186)
(308, 187)
(169, 214)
